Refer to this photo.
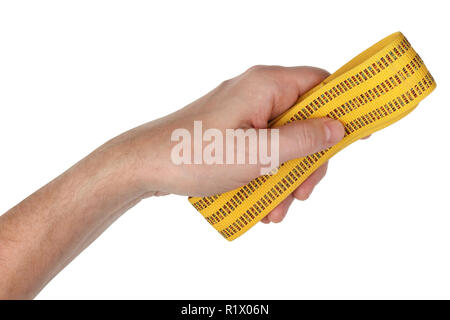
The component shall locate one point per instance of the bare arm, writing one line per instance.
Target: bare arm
(43, 233)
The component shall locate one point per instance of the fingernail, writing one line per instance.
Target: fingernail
(334, 131)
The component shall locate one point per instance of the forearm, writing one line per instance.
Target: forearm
(43, 233)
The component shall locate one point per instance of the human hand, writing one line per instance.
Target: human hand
(249, 100)
(59, 220)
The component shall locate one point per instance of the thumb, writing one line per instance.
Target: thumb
(301, 138)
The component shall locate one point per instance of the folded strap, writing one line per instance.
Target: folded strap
(372, 91)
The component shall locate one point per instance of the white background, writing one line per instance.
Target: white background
(75, 73)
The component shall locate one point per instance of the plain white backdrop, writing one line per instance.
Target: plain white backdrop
(73, 74)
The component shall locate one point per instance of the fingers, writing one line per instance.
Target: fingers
(285, 83)
(301, 193)
(306, 188)
(265, 220)
(277, 215)
(292, 83)
(301, 138)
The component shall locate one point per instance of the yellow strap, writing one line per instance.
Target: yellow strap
(372, 91)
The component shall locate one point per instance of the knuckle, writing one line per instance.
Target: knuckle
(310, 137)
(277, 218)
(255, 69)
(225, 83)
(263, 74)
(259, 70)
(322, 72)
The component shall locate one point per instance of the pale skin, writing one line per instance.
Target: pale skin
(47, 230)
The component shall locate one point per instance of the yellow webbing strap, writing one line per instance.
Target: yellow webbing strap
(372, 91)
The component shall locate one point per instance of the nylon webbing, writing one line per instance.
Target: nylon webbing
(372, 91)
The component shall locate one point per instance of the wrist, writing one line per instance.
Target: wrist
(113, 172)
(134, 162)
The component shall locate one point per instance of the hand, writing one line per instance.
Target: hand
(44, 232)
(249, 100)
